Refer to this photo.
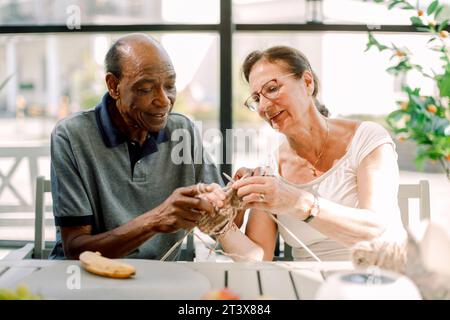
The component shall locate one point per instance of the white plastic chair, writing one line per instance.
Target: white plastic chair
(419, 191)
(38, 249)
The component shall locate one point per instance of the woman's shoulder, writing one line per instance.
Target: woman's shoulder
(369, 131)
(368, 136)
(372, 126)
(354, 128)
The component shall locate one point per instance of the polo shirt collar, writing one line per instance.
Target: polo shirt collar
(111, 136)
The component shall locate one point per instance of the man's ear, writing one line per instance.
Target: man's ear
(309, 81)
(113, 85)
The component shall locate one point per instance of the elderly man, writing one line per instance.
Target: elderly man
(115, 186)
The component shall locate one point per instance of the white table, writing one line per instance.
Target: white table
(274, 280)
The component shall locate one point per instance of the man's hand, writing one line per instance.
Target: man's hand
(185, 206)
(271, 194)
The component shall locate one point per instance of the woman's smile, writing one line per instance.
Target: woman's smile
(276, 118)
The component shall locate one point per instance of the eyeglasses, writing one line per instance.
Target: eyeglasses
(270, 90)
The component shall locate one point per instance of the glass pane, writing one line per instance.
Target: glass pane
(353, 83)
(100, 12)
(56, 75)
(326, 11)
(262, 11)
(371, 13)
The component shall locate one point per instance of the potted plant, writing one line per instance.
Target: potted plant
(424, 119)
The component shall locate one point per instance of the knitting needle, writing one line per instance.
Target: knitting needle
(176, 245)
(230, 179)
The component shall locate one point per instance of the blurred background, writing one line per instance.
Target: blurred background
(51, 65)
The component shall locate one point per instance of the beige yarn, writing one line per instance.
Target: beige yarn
(384, 252)
(221, 220)
(217, 223)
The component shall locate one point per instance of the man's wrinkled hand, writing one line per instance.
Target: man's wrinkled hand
(184, 208)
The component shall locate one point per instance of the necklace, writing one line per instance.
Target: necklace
(313, 167)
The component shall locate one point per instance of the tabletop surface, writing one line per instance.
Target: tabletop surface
(172, 280)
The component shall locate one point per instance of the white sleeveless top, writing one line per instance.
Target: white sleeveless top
(339, 184)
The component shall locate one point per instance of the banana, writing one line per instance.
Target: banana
(94, 262)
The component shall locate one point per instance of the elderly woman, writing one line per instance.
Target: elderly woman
(333, 182)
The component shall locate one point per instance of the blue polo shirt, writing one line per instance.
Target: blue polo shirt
(112, 137)
(100, 179)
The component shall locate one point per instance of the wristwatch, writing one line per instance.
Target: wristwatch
(314, 210)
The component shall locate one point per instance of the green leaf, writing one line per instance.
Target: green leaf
(392, 70)
(397, 114)
(407, 6)
(420, 160)
(424, 29)
(401, 130)
(417, 101)
(416, 21)
(373, 42)
(438, 11)
(411, 92)
(370, 41)
(417, 67)
(443, 82)
(431, 40)
(393, 4)
(439, 126)
(436, 48)
(443, 25)
(432, 7)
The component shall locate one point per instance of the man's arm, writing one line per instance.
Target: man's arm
(180, 211)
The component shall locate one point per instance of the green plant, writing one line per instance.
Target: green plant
(425, 119)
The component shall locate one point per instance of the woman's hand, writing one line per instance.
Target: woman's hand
(248, 172)
(212, 193)
(271, 194)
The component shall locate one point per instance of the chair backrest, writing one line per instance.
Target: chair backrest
(419, 191)
(40, 251)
